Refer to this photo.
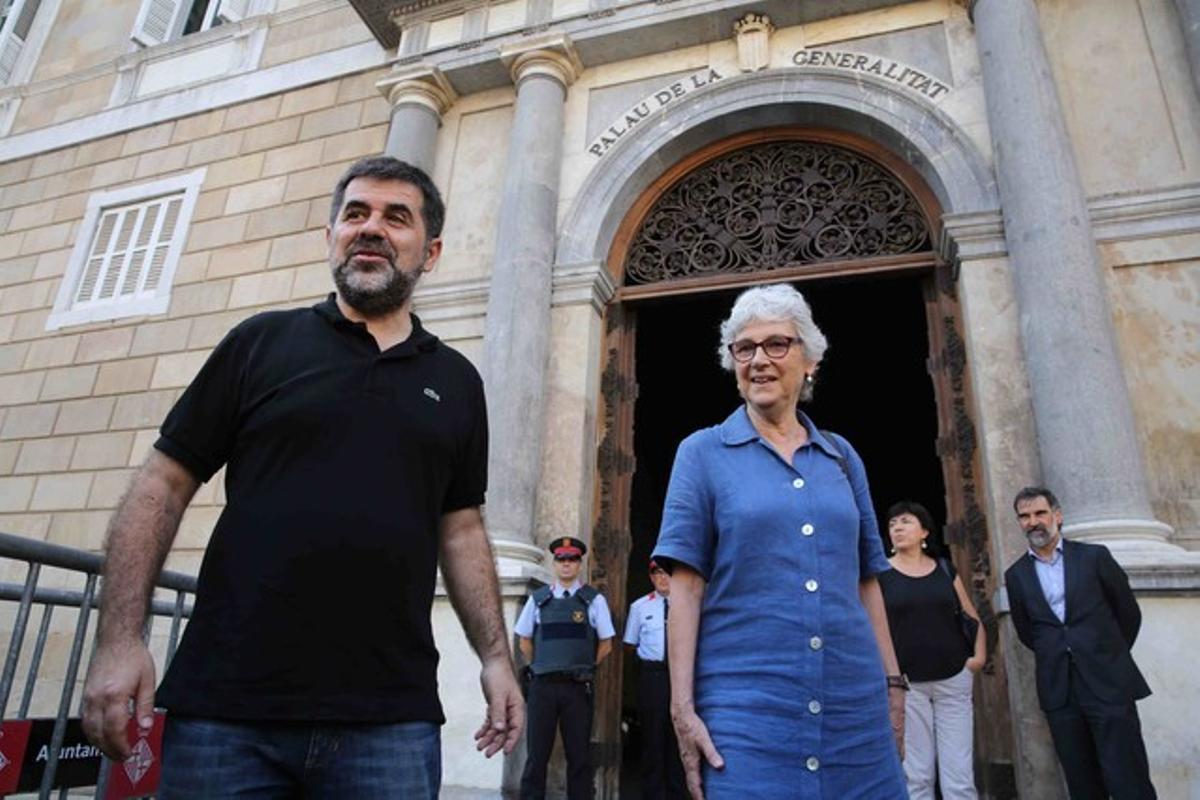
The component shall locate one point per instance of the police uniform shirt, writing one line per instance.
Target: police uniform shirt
(645, 626)
(598, 614)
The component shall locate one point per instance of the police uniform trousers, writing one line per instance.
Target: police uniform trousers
(662, 771)
(1100, 746)
(558, 700)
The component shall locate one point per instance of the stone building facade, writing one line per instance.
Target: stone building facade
(1005, 251)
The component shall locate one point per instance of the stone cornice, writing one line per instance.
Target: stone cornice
(575, 284)
(420, 84)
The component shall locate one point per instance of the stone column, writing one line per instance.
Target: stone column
(418, 96)
(1085, 426)
(1189, 20)
(516, 336)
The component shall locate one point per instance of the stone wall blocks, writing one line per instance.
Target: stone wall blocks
(54, 351)
(261, 289)
(53, 265)
(70, 207)
(143, 444)
(127, 375)
(308, 99)
(12, 356)
(200, 298)
(8, 458)
(313, 281)
(192, 267)
(50, 163)
(142, 410)
(196, 526)
(177, 369)
(99, 150)
(254, 113)
(108, 487)
(375, 111)
(318, 212)
(302, 248)
(49, 237)
(25, 296)
(234, 171)
(15, 171)
(84, 416)
(32, 215)
(15, 493)
(80, 529)
(104, 345)
(330, 121)
(151, 138)
(103, 450)
(265, 193)
(283, 160)
(198, 126)
(359, 87)
(272, 135)
(10, 243)
(29, 421)
(67, 382)
(28, 325)
(218, 232)
(210, 204)
(354, 144)
(45, 455)
(312, 183)
(110, 173)
(151, 338)
(238, 260)
(158, 162)
(16, 270)
(279, 221)
(215, 148)
(21, 388)
(26, 192)
(65, 492)
(208, 330)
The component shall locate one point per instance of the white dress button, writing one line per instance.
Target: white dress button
(807, 529)
(815, 643)
(814, 706)
(811, 585)
(798, 483)
(813, 763)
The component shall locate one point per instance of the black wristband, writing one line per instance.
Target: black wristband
(898, 682)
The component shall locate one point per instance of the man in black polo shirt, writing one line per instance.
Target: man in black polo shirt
(355, 447)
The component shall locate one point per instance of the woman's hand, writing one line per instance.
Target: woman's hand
(694, 744)
(896, 715)
(975, 663)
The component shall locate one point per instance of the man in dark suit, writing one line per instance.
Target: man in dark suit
(1071, 604)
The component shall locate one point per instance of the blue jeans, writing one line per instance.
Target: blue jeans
(207, 758)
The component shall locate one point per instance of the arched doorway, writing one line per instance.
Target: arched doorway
(856, 228)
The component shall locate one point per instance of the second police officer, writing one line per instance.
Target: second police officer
(565, 630)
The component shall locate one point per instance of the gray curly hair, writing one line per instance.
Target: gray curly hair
(775, 303)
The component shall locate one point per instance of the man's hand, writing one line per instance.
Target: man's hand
(896, 715)
(505, 719)
(120, 677)
(694, 744)
(975, 663)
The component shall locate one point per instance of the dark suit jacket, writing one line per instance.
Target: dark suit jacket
(1102, 622)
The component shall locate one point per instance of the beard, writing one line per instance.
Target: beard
(1039, 536)
(371, 288)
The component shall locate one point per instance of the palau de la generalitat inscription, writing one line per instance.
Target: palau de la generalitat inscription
(885, 68)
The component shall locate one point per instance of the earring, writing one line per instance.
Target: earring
(924, 545)
(808, 378)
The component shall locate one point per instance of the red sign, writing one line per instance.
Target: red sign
(14, 735)
(138, 775)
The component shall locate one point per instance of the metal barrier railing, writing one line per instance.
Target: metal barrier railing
(37, 554)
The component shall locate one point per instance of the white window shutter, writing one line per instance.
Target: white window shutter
(156, 21)
(233, 10)
(10, 51)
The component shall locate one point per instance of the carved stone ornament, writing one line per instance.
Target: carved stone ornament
(775, 205)
(753, 33)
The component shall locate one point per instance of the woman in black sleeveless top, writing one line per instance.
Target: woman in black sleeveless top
(923, 595)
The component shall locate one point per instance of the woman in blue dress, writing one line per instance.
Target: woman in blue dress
(783, 676)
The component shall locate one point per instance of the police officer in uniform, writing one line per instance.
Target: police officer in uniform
(565, 630)
(646, 632)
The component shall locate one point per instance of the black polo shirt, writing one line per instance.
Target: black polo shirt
(317, 584)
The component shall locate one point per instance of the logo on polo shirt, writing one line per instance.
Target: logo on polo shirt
(430, 393)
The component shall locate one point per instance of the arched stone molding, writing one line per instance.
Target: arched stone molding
(916, 131)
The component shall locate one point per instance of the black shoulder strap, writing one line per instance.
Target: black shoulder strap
(843, 464)
(944, 563)
(587, 593)
(541, 596)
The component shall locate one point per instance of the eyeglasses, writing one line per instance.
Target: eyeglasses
(776, 347)
(567, 558)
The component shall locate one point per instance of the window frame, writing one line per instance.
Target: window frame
(65, 311)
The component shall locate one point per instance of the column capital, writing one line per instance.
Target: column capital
(553, 55)
(418, 84)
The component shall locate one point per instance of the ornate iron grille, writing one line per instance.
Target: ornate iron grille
(776, 205)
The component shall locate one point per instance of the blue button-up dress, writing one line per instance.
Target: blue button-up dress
(788, 676)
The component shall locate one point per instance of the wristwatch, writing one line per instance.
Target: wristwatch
(898, 682)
